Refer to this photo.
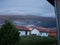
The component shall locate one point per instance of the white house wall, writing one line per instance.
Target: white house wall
(35, 31)
(44, 34)
(22, 33)
(38, 33)
(28, 33)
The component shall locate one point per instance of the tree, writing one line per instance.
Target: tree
(8, 34)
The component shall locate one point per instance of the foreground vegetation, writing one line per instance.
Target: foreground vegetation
(9, 36)
(37, 40)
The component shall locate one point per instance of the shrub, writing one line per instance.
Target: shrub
(8, 34)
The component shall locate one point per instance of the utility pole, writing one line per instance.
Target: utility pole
(57, 11)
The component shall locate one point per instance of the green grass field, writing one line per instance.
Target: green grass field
(37, 40)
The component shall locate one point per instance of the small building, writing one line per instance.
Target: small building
(39, 32)
(23, 31)
(52, 33)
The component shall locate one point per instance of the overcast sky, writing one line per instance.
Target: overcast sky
(27, 7)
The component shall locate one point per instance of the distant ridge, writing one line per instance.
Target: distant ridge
(31, 19)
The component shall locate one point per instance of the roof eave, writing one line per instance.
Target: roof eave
(51, 2)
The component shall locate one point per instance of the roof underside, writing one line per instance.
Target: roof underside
(51, 2)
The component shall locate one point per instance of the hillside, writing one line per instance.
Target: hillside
(31, 20)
